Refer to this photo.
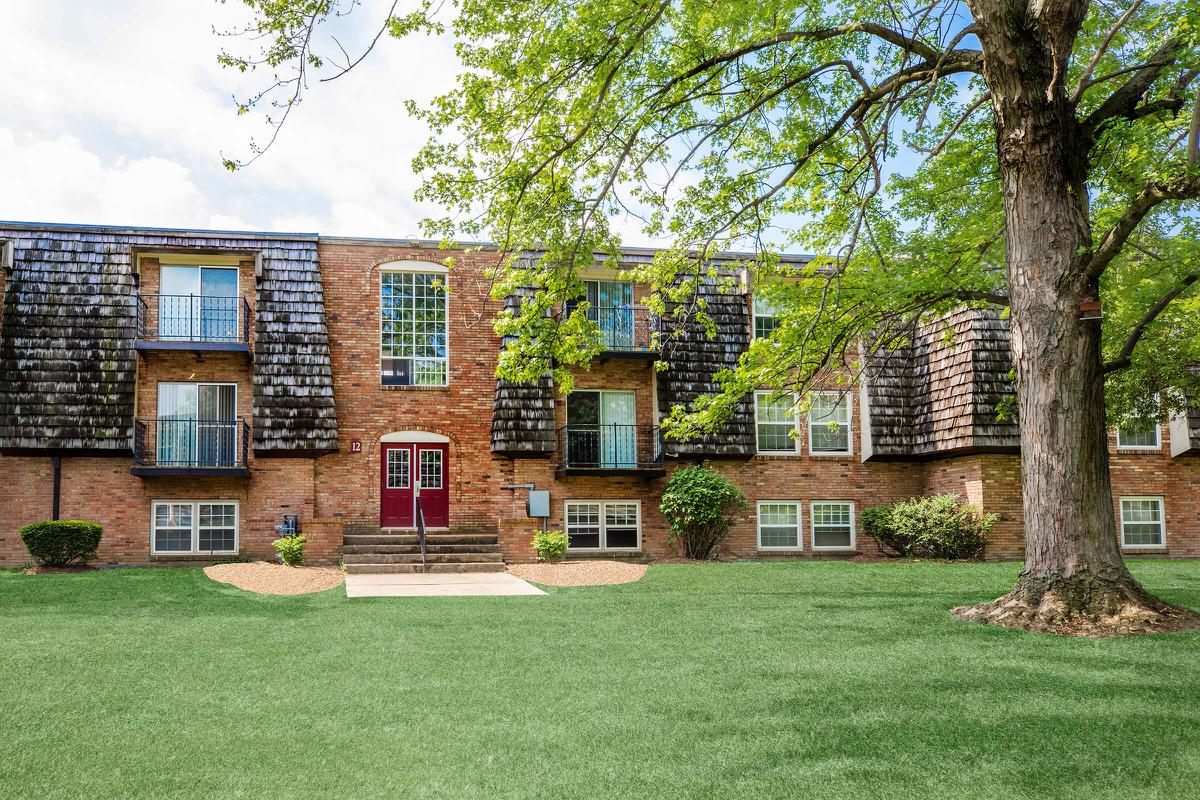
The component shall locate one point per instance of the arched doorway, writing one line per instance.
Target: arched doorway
(414, 464)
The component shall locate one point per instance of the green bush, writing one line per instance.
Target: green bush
(290, 549)
(698, 504)
(550, 545)
(941, 526)
(63, 542)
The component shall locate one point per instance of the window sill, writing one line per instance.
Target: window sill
(1158, 550)
(841, 456)
(398, 388)
(780, 551)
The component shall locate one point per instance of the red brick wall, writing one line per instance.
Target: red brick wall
(348, 482)
(343, 488)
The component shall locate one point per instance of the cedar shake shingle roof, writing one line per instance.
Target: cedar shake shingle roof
(694, 358)
(67, 359)
(940, 393)
(523, 413)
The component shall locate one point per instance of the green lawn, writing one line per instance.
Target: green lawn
(803, 680)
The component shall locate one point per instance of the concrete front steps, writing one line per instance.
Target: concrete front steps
(384, 553)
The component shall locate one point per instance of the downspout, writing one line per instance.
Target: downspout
(57, 461)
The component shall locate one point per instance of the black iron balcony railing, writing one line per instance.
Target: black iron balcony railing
(610, 448)
(186, 318)
(625, 329)
(190, 446)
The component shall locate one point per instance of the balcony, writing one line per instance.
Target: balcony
(610, 450)
(627, 331)
(192, 322)
(190, 447)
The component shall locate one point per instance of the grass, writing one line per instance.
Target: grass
(805, 680)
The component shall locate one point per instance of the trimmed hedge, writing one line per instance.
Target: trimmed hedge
(63, 542)
(698, 504)
(941, 526)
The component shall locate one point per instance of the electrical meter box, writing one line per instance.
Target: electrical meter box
(539, 504)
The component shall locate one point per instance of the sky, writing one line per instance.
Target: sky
(118, 113)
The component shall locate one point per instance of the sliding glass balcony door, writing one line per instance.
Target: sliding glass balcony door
(611, 307)
(602, 429)
(198, 304)
(197, 425)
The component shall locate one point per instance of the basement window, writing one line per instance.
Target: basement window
(185, 527)
(832, 525)
(1142, 523)
(414, 329)
(779, 525)
(604, 524)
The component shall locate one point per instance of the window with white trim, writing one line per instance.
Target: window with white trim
(766, 318)
(832, 524)
(1142, 522)
(1139, 438)
(779, 525)
(829, 423)
(603, 525)
(397, 468)
(775, 425)
(414, 328)
(431, 469)
(207, 527)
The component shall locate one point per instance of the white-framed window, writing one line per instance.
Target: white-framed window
(397, 468)
(776, 429)
(206, 527)
(603, 524)
(766, 318)
(829, 423)
(832, 524)
(1139, 438)
(414, 322)
(431, 469)
(779, 525)
(1143, 522)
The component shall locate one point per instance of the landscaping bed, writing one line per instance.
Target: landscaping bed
(579, 573)
(267, 578)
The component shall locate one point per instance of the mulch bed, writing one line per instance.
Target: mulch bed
(579, 573)
(264, 577)
(56, 570)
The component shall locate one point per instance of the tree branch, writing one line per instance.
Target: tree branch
(1125, 357)
(1186, 188)
(1123, 101)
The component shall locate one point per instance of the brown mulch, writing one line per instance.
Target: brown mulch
(579, 573)
(55, 570)
(267, 578)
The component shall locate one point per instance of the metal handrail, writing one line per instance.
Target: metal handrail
(193, 318)
(184, 442)
(590, 446)
(623, 328)
(421, 529)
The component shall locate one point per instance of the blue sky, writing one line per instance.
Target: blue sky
(118, 113)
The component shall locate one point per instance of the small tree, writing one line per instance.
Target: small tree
(698, 503)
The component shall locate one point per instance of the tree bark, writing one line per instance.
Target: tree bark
(1074, 578)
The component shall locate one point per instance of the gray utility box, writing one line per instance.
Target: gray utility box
(538, 504)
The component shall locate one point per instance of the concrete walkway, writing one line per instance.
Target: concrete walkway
(444, 584)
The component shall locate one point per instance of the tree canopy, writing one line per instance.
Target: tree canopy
(767, 127)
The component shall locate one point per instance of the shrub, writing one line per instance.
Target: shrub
(698, 503)
(941, 526)
(290, 549)
(550, 545)
(63, 542)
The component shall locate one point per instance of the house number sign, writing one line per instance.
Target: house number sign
(355, 445)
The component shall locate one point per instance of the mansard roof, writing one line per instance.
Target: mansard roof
(67, 358)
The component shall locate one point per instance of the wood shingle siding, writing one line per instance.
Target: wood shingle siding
(523, 413)
(940, 393)
(694, 358)
(67, 360)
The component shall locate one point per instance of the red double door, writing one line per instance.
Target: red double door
(405, 467)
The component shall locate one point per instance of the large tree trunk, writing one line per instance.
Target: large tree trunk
(1074, 579)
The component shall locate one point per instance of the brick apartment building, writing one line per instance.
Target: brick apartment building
(188, 389)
